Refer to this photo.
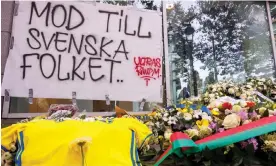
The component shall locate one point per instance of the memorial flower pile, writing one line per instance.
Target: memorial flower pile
(222, 107)
(247, 91)
(7, 157)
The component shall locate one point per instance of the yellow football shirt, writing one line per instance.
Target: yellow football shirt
(50, 143)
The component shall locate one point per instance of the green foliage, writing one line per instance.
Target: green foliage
(147, 4)
(230, 38)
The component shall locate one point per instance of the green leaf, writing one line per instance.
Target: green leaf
(197, 158)
(207, 153)
(207, 163)
(219, 155)
(237, 151)
(250, 149)
(266, 113)
(187, 162)
(251, 161)
(237, 161)
(273, 156)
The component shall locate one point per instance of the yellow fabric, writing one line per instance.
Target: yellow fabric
(9, 135)
(49, 143)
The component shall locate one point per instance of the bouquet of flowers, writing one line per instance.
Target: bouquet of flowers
(222, 107)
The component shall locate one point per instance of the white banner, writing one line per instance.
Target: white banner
(88, 48)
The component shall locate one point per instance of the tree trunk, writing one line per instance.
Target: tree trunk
(214, 58)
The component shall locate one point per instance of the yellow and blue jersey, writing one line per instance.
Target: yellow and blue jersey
(50, 143)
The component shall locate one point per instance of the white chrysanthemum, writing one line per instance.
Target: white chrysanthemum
(90, 119)
(197, 114)
(165, 114)
(187, 116)
(168, 134)
(171, 120)
(231, 90)
(206, 116)
(212, 95)
(243, 103)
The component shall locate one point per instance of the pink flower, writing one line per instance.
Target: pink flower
(250, 141)
(243, 144)
(221, 130)
(243, 115)
(253, 115)
(213, 125)
(254, 142)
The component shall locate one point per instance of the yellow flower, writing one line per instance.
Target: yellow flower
(179, 109)
(274, 106)
(184, 110)
(192, 132)
(262, 110)
(160, 137)
(186, 102)
(228, 148)
(202, 123)
(156, 141)
(204, 131)
(236, 108)
(215, 111)
(152, 114)
(270, 145)
(168, 134)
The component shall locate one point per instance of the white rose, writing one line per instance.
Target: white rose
(227, 111)
(214, 104)
(249, 86)
(272, 112)
(206, 99)
(168, 134)
(243, 103)
(204, 115)
(188, 116)
(212, 99)
(246, 122)
(216, 109)
(212, 95)
(262, 79)
(231, 121)
(231, 90)
(197, 114)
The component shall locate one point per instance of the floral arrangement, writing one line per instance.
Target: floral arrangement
(7, 157)
(244, 91)
(222, 107)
